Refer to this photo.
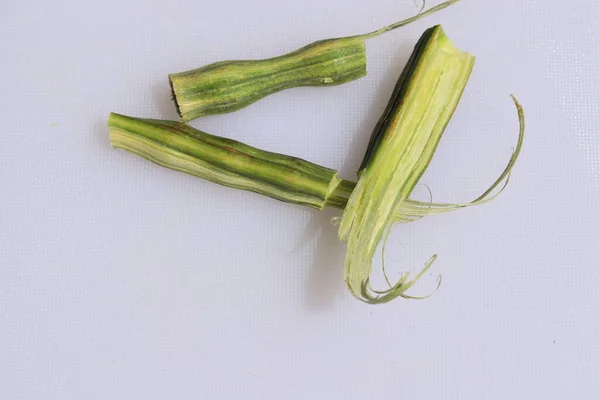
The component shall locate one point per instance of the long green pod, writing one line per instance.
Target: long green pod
(402, 146)
(227, 86)
(224, 161)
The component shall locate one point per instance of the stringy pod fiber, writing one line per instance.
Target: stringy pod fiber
(401, 148)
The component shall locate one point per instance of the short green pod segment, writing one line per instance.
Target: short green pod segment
(228, 86)
(400, 150)
(402, 145)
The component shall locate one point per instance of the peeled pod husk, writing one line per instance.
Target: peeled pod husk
(401, 148)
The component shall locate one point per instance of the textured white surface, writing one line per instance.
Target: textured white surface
(119, 279)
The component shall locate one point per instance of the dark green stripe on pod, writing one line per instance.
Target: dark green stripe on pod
(397, 97)
(224, 161)
(228, 86)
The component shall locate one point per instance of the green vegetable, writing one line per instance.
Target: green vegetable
(228, 86)
(401, 147)
(224, 161)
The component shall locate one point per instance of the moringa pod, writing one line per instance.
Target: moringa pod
(402, 145)
(228, 86)
(227, 162)
(401, 148)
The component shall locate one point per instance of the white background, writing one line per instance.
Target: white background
(123, 280)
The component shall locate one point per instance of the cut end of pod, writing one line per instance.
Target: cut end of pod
(174, 97)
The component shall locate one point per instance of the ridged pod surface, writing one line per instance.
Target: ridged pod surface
(228, 86)
(227, 162)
